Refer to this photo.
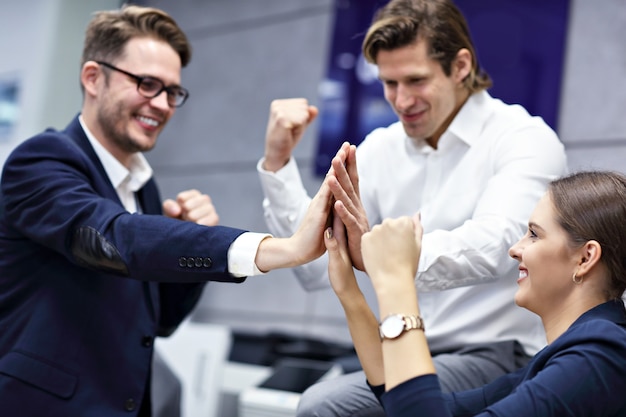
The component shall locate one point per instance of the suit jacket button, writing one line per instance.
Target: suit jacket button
(130, 405)
(199, 262)
(207, 262)
(182, 262)
(190, 262)
(147, 341)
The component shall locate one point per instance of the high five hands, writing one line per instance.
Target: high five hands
(343, 180)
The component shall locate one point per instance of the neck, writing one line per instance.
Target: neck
(559, 319)
(461, 99)
(91, 121)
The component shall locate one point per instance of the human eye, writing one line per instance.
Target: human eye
(417, 80)
(531, 233)
(150, 85)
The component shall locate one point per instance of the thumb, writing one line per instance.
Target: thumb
(329, 240)
(313, 112)
(171, 208)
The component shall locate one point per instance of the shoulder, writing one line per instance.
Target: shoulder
(382, 139)
(594, 336)
(50, 142)
(504, 117)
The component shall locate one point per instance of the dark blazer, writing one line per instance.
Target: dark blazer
(581, 373)
(86, 286)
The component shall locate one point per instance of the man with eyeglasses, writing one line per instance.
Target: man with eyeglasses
(90, 270)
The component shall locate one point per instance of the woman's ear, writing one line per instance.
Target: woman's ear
(590, 254)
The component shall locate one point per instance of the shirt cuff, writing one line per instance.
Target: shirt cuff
(242, 253)
(282, 188)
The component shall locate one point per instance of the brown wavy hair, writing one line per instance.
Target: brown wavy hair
(439, 22)
(592, 206)
(109, 31)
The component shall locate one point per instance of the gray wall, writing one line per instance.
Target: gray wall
(246, 53)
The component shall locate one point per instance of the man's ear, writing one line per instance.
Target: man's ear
(462, 65)
(590, 254)
(89, 75)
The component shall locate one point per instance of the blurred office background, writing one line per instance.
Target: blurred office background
(248, 52)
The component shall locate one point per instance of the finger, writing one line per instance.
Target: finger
(171, 208)
(343, 177)
(339, 230)
(348, 220)
(204, 213)
(329, 240)
(313, 112)
(340, 194)
(351, 168)
(186, 195)
(200, 202)
(211, 219)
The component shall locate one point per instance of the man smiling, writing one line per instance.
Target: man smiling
(90, 270)
(473, 166)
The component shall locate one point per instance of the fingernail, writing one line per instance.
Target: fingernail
(329, 233)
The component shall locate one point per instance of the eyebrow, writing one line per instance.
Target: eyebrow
(532, 225)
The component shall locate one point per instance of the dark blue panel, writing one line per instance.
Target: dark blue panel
(520, 43)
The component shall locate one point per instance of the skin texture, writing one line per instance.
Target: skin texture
(419, 92)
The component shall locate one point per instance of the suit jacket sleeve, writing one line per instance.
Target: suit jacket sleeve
(56, 196)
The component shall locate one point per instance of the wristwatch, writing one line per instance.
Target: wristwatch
(396, 324)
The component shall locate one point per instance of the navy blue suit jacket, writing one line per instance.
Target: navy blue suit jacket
(581, 373)
(85, 286)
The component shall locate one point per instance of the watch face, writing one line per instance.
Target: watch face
(392, 326)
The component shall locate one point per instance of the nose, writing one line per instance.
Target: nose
(515, 251)
(404, 97)
(160, 101)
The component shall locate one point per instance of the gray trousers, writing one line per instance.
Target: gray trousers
(470, 367)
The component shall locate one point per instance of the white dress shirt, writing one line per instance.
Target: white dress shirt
(127, 182)
(475, 193)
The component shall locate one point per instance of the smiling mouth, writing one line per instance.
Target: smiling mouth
(148, 121)
(522, 274)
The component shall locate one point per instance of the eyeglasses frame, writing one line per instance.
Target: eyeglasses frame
(139, 79)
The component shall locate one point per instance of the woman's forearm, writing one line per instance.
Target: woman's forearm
(363, 327)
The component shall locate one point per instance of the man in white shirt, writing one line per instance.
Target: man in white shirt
(473, 166)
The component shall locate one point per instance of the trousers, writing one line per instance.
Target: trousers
(469, 367)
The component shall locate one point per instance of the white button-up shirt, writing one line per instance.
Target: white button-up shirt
(475, 193)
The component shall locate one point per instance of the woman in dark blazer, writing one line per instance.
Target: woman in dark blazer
(572, 264)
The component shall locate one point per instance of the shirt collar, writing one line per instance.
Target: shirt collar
(466, 126)
(612, 310)
(469, 121)
(136, 177)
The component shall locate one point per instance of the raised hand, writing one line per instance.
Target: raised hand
(391, 252)
(306, 244)
(343, 180)
(340, 271)
(287, 122)
(193, 206)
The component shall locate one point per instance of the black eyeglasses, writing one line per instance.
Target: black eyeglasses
(150, 87)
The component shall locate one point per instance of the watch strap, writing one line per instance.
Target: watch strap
(411, 322)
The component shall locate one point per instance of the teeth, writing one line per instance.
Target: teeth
(148, 121)
(523, 274)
